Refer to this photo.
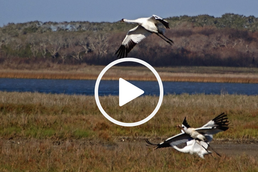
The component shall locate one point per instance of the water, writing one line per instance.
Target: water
(86, 87)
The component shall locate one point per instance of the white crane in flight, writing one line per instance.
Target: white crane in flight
(145, 27)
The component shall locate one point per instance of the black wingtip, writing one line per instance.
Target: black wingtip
(164, 22)
(147, 141)
(159, 145)
(185, 123)
(151, 144)
(222, 121)
(121, 52)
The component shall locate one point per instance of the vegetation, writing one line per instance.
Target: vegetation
(230, 40)
(49, 132)
(189, 74)
(72, 155)
(40, 116)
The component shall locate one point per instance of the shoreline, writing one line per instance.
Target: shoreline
(165, 76)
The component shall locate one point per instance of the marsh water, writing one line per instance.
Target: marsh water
(107, 87)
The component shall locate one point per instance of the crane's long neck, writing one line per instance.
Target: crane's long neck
(183, 150)
(138, 21)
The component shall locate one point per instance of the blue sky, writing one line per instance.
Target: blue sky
(19, 11)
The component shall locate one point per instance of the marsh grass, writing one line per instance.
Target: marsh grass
(84, 155)
(191, 74)
(50, 132)
(21, 113)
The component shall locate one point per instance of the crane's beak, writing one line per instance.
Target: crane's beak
(122, 20)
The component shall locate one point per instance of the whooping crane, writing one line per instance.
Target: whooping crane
(145, 27)
(206, 132)
(192, 146)
(183, 142)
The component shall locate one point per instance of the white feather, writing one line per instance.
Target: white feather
(194, 147)
(196, 140)
(144, 28)
(137, 34)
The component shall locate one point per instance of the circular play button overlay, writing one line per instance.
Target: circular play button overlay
(126, 87)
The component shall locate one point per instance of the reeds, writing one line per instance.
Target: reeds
(190, 74)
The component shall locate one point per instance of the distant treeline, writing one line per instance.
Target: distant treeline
(230, 40)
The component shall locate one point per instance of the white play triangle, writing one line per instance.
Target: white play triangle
(127, 92)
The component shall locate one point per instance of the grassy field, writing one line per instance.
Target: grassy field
(192, 74)
(48, 132)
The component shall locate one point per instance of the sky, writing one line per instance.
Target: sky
(20, 11)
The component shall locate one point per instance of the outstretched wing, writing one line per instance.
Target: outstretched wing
(214, 126)
(161, 20)
(220, 121)
(218, 124)
(133, 37)
(176, 140)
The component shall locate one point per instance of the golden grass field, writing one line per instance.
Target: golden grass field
(49, 132)
(192, 74)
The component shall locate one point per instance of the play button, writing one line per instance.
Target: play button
(128, 92)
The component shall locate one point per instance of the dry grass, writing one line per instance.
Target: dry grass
(45, 132)
(66, 114)
(192, 74)
(74, 155)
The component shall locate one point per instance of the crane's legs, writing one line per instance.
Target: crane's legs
(165, 38)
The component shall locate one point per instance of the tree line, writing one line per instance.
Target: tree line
(230, 40)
